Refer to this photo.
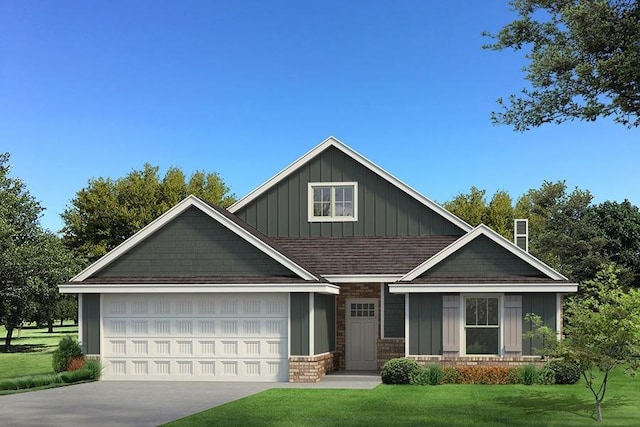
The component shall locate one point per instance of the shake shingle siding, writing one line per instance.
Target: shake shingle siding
(383, 209)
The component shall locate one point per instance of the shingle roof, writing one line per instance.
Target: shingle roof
(435, 280)
(192, 280)
(363, 255)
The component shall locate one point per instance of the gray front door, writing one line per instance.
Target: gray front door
(361, 334)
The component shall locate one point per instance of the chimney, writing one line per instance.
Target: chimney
(521, 234)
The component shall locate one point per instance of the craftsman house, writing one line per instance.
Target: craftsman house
(332, 264)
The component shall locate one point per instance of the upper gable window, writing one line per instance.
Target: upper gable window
(333, 201)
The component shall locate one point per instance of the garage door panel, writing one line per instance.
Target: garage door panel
(223, 338)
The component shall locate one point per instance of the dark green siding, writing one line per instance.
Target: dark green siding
(393, 314)
(425, 324)
(483, 257)
(90, 339)
(193, 244)
(300, 324)
(324, 323)
(543, 305)
(383, 209)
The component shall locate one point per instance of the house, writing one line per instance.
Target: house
(332, 264)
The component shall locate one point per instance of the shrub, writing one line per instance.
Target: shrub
(529, 374)
(398, 371)
(450, 375)
(75, 364)
(68, 349)
(484, 374)
(546, 376)
(75, 376)
(515, 375)
(435, 374)
(420, 377)
(565, 372)
(95, 367)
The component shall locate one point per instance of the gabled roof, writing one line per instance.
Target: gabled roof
(334, 142)
(229, 221)
(483, 230)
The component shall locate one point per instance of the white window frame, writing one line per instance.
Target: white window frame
(332, 217)
(463, 323)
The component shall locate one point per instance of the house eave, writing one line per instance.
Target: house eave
(362, 278)
(406, 288)
(165, 288)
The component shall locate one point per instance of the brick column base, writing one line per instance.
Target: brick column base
(309, 369)
(389, 348)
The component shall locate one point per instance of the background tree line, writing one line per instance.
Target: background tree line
(566, 229)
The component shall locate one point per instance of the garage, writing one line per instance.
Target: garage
(195, 337)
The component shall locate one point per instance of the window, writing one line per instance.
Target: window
(482, 325)
(363, 309)
(333, 201)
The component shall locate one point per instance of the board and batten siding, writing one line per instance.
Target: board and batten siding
(193, 244)
(299, 324)
(90, 339)
(544, 305)
(394, 316)
(324, 323)
(425, 324)
(512, 325)
(383, 209)
(451, 325)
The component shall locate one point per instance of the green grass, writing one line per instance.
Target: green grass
(31, 351)
(443, 405)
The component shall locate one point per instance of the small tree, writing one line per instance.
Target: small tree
(603, 332)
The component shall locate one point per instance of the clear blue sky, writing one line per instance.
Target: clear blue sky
(243, 88)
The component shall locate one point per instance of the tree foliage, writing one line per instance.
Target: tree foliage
(32, 261)
(583, 61)
(603, 332)
(107, 211)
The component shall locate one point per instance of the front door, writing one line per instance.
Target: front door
(362, 331)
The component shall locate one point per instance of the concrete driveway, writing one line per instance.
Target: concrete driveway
(119, 403)
(133, 403)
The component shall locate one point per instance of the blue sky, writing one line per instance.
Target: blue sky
(243, 88)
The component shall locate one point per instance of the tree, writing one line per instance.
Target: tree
(470, 207)
(107, 211)
(584, 61)
(620, 224)
(603, 332)
(499, 215)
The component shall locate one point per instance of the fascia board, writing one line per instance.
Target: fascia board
(173, 213)
(495, 237)
(332, 141)
(164, 288)
(362, 278)
(482, 288)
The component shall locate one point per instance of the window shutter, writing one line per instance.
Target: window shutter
(451, 323)
(513, 323)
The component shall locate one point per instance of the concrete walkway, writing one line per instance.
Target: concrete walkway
(130, 403)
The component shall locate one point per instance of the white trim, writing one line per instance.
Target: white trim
(332, 186)
(362, 278)
(164, 288)
(101, 338)
(525, 234)
(406, 323)
(495, 237)
(382, 336)
(312, 324)
(80, 320)
(332, 141)
(489, 287)
(288, 327)
(173, 213)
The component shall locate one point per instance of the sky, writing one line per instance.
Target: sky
(94, 89)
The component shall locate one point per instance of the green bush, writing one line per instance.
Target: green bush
(76, 376)
(565, 372)
(435, 374)
(95, 367)
(68, 349)
(398, 371)
(450, 375)
(546, 376)
(515, 375)
(420, 377)
(529, 374)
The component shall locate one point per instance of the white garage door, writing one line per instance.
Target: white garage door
(195, 337)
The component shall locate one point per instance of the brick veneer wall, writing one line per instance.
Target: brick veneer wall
(389, 348)
(348, 291)
(309, 369)
(478, 360)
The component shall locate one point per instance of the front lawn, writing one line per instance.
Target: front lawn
(443, 405)
(31, 351)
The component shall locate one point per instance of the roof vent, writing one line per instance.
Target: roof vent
(521, 234)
